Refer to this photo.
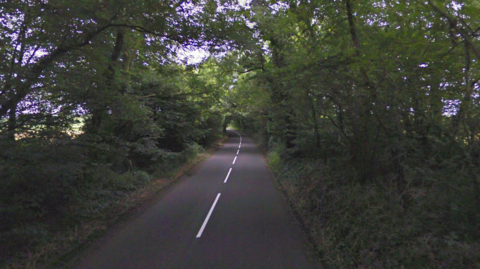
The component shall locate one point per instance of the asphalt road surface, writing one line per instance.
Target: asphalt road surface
(228, 214)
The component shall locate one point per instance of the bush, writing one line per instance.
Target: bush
(373, 226)
(49, 188)
(37, 182)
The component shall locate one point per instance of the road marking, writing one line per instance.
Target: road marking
(239, 146)
(234, 160)
(238, 151)
(208, 216)
(240, 143)
(229, 171)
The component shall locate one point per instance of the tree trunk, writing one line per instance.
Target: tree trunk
(100, 113)
(12, 123)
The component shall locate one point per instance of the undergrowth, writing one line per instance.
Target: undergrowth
(56, 201)
(429, 223)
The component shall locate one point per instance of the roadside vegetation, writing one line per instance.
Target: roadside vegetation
(368, 111)
(369, 114)
(97, 112)
(61, 189)
(85, 212)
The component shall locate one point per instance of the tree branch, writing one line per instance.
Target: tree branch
(454, 24)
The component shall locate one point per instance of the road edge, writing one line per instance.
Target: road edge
(314, 253)
(140, 200)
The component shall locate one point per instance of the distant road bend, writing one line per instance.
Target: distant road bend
(228, 214)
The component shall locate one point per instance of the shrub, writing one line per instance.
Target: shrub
(371, 225)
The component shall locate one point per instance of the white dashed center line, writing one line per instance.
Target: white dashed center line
(226, 178)
(208, 216)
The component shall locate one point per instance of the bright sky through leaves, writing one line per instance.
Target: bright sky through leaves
(197, 55)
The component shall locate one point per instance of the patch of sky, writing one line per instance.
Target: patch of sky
(193, 55)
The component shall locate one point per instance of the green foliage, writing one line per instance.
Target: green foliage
(373, 226)
(94, 104)
(369, 112)
(49, 188)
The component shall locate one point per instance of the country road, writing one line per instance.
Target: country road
(228, 213)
